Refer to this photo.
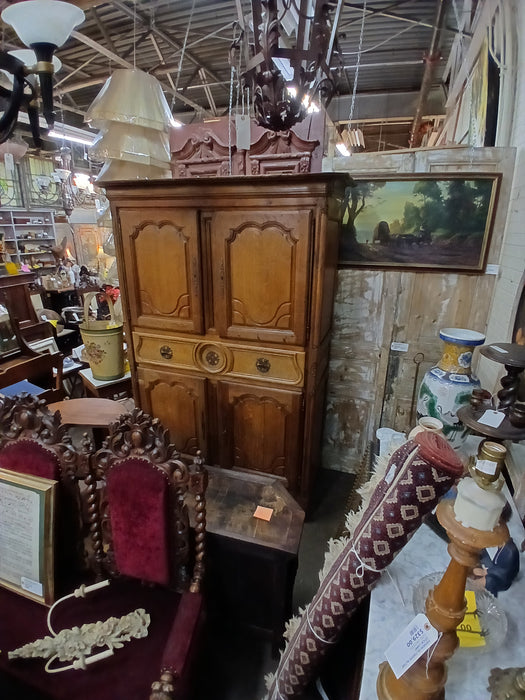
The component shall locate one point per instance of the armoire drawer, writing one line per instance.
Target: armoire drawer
(214, 357)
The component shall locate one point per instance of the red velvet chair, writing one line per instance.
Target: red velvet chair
(137, 489)
(33, 441)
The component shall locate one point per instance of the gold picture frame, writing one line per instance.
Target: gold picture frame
(420, 221)
(27, 523)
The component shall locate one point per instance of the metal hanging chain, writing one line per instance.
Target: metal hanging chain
(358, 62)
(183, 50)
(232, 72)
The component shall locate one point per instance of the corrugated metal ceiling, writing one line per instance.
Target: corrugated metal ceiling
(151, 33)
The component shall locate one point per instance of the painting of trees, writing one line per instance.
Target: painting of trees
(420, 220)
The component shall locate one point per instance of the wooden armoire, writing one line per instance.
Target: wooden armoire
(227, 285)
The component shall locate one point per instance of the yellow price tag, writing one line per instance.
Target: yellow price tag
(469, 631)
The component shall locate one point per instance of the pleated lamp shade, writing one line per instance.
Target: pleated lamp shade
(130, 96)
(135, 144)
(124, 170)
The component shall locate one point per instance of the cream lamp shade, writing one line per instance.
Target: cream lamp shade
(43, 21)
(123, 170)
(130, 96)
(132, 143)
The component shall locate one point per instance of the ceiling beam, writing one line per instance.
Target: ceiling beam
(384, 12)
(131, 12)
(125, 64)
(103, 30)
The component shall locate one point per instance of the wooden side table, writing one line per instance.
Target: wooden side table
(89, 413)
(113, 389)
(251, 563)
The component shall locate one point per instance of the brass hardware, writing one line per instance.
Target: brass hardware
(212, 358)
(166, 352)
(262, 365)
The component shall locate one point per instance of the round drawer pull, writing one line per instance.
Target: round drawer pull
(212, 358)
(166, 352)
(262, 365)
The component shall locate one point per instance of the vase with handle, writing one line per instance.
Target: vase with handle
(448, 386)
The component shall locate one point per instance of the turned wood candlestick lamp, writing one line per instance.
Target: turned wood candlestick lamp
(472, 524)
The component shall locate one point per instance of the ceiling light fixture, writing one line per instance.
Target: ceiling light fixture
(275, 68)
(42, 25)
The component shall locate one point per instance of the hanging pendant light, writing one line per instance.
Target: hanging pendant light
(134, 119)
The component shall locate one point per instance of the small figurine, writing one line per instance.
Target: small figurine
(498, 570)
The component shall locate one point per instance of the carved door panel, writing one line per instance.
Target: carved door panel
(260, 273)
(179, 402)
(163, 269)
(260, 429)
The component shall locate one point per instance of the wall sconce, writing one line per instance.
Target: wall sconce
(42, 25)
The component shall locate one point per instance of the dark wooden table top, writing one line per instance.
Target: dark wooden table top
(231, 499)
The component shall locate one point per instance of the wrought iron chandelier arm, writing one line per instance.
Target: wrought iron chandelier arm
(15, 96)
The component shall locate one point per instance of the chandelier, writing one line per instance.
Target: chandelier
(42, 25)
(290, 68)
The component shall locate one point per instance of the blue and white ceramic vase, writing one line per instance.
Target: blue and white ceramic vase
(448, 386)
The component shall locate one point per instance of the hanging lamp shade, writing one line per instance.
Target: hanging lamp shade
(16, 146)
(130, 96)
(43, 21)
(123, 170)
(135, 144)
(28, 57)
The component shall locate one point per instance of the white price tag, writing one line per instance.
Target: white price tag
(492, 418)
(9, 163)
(412, 643)
(400, 347)
(32, 586)
(486, 466)
(492, 269)
(242, 129)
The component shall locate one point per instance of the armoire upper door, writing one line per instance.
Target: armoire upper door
(261, 272)
(163, 268)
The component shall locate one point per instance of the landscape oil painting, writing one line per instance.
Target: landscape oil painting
(422, 221)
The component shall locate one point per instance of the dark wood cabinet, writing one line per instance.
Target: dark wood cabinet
(228, 289)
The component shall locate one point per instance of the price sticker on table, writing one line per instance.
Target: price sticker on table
(412, 643)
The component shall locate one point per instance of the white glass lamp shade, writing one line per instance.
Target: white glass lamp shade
(124, 170)
(28, 57)
(135, 144)
(130, 96)
(43, 21)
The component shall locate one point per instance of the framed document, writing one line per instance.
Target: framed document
(27, 517)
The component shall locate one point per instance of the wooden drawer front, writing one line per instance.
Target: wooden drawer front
(216, 358)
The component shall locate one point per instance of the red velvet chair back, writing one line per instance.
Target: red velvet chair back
(33, 441)
(141, 527)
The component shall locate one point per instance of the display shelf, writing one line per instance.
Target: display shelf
(505, 431)
(512, 356)
(21, 228)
